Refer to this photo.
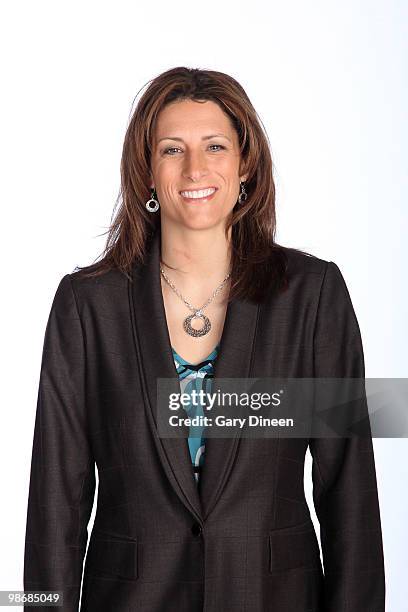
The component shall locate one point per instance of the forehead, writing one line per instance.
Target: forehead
(187, 116)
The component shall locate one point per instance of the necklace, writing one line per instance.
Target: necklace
(197, 312)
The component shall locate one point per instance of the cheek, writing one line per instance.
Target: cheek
(229, 169)
(165, 176)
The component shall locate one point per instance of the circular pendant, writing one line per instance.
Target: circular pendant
(197, 332)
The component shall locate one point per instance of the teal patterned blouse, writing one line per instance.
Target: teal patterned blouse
(196, 376)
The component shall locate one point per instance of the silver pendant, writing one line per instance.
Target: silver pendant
(197, 332)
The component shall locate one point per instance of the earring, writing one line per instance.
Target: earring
(153, 205)
(243, 196)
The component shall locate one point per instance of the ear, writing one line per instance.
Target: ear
(242, 168)
(151, 179)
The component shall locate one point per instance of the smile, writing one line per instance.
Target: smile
(199, 194)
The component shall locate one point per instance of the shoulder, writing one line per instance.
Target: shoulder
(103, 291)
(320, 279)
(304, 272)
(310, 275)
(82, 278)
(301, 262)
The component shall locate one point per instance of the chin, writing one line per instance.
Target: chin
(202, 224)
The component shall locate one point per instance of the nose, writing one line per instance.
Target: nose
(195, 165)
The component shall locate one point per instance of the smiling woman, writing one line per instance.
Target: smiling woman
(192, 289)
(197, 183)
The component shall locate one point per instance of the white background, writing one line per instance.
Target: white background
(327, 79)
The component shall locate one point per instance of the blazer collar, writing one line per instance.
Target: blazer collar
(155, 360)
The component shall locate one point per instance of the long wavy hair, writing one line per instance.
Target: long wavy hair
(257, 261)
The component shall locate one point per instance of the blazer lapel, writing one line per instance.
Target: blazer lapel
(234, 360)
(155, 357)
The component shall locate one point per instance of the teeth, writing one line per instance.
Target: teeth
(198, 194)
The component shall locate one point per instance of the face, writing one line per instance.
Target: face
(195, 165)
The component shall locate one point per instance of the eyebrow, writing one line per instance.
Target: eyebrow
(203, 138)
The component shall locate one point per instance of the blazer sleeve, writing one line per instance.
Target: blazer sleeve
(343, 469)
(62, 479)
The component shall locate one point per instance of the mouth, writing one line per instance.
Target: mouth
(198, 195)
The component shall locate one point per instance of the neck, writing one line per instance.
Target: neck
(195, 258)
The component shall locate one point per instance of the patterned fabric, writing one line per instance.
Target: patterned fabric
(196, 377)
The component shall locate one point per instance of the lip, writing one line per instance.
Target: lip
(204, 199)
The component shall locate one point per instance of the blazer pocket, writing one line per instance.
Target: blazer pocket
(113, 558)
(294, 547)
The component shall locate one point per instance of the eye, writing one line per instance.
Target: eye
(167, 151)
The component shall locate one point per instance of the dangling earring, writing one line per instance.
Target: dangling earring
(243, 196)
(153, 205)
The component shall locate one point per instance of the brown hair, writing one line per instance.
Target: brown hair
(256, 260)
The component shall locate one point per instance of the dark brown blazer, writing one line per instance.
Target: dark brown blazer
(245, 541)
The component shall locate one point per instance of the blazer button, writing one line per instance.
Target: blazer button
(196, 529)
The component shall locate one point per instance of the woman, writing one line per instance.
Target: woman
(192, 286)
